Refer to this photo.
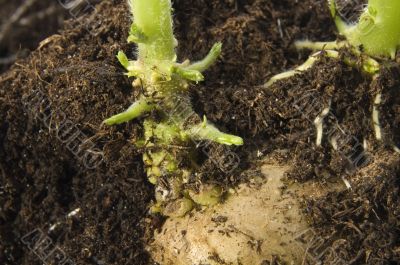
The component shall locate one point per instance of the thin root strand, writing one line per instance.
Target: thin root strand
(319, 122)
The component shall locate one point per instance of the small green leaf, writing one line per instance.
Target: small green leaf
(192, 75)
(210, 132)
(204, 121)
(135, 110)
(228, 139)
(209, 60)
(123, 59)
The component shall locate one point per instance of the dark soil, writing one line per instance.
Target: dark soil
(361, 226)
(73, 82)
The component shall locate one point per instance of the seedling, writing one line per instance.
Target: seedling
(170, 130)
(375, 38)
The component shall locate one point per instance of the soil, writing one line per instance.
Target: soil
(73, 81)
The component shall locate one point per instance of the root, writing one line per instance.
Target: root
(375, 117)
(333, 142)
(365, 145)
(346, 183)
(305, 66)
(376, 121)
(319, 122)
(368, 64)
(306, 44)
(396, 149)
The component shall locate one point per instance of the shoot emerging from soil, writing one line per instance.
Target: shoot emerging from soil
(171, 128)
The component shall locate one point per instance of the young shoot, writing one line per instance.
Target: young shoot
(171, 128)
(374, 38)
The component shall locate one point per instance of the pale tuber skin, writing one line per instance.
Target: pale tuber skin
(169, 134)
(258, 221)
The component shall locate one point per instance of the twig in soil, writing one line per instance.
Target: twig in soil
(306, 253)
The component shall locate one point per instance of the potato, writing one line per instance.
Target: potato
(255, 224)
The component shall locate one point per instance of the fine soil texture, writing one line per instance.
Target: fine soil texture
(81, 185)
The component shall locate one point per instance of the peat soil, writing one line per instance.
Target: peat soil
(92, 203)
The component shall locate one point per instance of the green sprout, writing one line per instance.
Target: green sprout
(170, 130)
(375, 38)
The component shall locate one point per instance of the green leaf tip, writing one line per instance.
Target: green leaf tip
(207, 131)
(209, 60)
(123, 59)
(134, 111)
(228, 139)
(216, 49)
(192, 75)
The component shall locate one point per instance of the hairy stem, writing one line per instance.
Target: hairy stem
(172, 127)
(153, 18)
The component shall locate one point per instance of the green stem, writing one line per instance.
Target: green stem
(169, 154)
(153, 18)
